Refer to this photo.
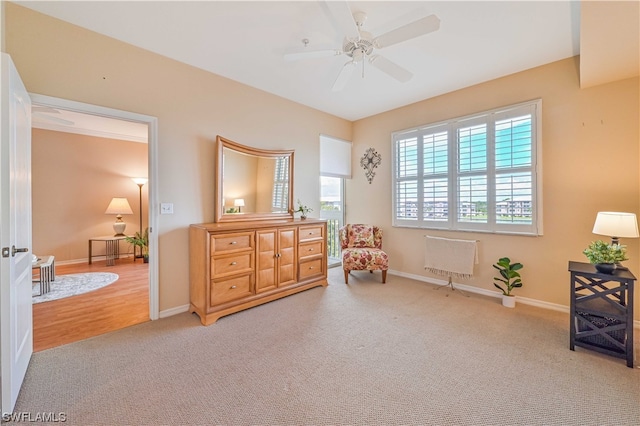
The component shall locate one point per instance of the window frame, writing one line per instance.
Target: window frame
(451, 126)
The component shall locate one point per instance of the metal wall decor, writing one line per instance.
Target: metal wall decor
(370, 161)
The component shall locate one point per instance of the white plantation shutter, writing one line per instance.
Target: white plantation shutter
(471, 173)
(281, 185)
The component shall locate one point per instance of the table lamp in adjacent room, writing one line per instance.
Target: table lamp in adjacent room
(239, 203)
(616, 225)
(119, 206)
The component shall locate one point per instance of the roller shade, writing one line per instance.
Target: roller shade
(335, 157)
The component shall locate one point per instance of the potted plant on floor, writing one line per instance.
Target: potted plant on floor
(142, 241)
(508, 280)
(605, 256)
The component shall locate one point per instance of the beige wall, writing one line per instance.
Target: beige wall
(73, 179)
(590, 146)
(590, 163)
(192, 106)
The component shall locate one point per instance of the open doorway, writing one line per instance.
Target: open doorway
(95, 164)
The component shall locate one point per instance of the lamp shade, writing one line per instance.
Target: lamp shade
(238, 202)
(140, 181)
(616, 224)
(119, 206)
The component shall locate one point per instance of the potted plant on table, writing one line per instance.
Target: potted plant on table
(605, 256)
(303, 210)
(508, 280)
(142, 241)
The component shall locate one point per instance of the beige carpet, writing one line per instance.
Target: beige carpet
(363, 354)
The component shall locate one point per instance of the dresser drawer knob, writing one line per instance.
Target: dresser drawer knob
(233, 242)
(310, 267)
(234, 263)
(310, 249)
(310, 233)
(233, 286)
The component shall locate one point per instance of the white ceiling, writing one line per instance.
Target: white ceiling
(245, 41)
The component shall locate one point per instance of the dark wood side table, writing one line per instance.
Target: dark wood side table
(601, 311)
(112, 250)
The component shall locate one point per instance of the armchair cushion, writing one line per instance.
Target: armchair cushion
(360, 236)
(361, 259)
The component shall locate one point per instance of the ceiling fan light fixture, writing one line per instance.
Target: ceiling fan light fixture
(359, 45)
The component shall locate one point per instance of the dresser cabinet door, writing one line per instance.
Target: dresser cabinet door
(287, 246)
(276, 251)
(266, 261)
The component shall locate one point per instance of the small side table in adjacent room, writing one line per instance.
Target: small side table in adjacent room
(46, 269)
(112, 248)
(601, 311)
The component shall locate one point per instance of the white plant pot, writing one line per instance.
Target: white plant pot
(508, 301)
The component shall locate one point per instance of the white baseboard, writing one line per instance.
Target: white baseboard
(86, 260)
(491, 293)
(174, 311)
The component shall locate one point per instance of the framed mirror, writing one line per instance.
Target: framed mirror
(252, 183)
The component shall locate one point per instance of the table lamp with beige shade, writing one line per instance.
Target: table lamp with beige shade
(119, 206)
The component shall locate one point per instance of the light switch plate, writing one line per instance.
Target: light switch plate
(166, 208)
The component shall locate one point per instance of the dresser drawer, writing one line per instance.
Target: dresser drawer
(231, 242)
(310, 233)
(231, 265)
(231, 289)
(311, 268)
(311, 249)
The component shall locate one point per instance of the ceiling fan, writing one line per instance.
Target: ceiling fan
(359, 45)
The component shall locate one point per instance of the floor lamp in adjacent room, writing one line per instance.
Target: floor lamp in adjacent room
(140, 182)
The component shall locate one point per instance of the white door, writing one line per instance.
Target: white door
(16, 321)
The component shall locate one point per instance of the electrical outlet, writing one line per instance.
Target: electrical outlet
(166, 208)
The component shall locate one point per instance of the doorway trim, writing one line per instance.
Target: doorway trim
(152, 125)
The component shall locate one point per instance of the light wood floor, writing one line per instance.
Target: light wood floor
(118, 305)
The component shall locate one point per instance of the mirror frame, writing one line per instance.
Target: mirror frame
(220, 215)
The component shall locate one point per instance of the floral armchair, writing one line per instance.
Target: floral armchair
(362, 250)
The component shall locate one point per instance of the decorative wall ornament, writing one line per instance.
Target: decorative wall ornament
(370, 161)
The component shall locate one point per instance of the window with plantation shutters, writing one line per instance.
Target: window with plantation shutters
(280, 199)
(473, 173)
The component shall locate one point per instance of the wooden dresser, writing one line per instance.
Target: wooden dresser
(239, 265)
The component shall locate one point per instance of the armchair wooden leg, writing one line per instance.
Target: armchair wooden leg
(346, 276)
(384, 277)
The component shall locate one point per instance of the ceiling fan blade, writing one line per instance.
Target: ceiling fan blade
(343, 18)
(310, 54)
(390, 68)
(343, 77)
(415, 29)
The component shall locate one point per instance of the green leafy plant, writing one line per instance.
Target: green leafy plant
(509, 275)
(304, 210)
(601, 252)
(141, 240)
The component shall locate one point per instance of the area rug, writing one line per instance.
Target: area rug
(72, 285)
